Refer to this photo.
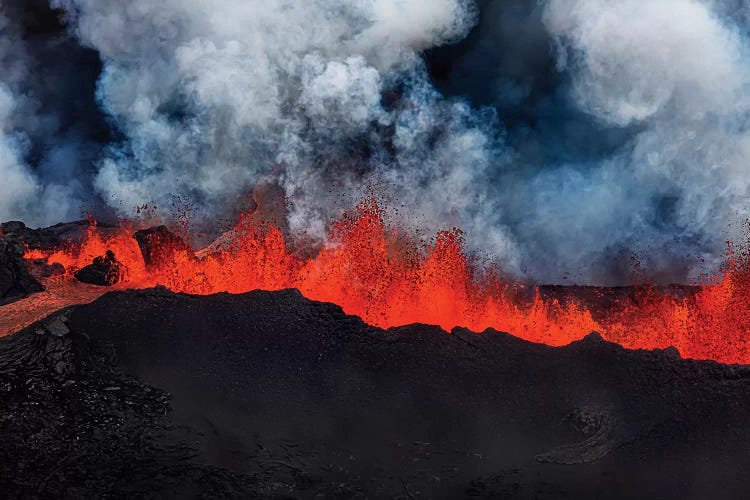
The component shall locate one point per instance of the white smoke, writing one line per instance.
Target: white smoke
(213, 95)
(678, 74)
(19, 184)
(331, 100)
(24, 194)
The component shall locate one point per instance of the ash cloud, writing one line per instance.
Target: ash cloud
(678, 78)
(50, 129)
(628, 126)
(212, 96)
(19, 182)
(563, 136)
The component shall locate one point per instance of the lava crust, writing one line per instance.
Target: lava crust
(267, 394)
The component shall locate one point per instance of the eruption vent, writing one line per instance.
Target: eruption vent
(376, 272)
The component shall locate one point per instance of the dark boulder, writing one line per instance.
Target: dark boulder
(53, 237)
(15, 280)
(19, 277)
(18, 231)
(104, 271)
(159, 244)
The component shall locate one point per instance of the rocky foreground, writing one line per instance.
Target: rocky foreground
(151, 394)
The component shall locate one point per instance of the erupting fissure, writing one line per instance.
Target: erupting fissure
(386, 279)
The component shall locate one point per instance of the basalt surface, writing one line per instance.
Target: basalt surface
(152, 394)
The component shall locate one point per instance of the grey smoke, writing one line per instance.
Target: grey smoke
(47, 135)
(629, 138)
(563, 136)
(214, 96)
(678, 74)
(19, 182)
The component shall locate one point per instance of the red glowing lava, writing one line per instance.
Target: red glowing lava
(387, 280)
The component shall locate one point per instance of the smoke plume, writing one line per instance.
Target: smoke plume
(629, 137)
(49, 133)
(564, 137)
(678, 78)
(19, 182)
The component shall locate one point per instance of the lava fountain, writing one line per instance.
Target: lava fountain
(385, 278)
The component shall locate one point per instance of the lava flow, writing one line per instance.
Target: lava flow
(387, 280)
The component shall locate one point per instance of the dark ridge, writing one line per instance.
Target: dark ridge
(601, 301)
(268, 395)
(53, 237)
(15, 279)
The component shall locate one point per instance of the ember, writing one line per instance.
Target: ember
(374, 272)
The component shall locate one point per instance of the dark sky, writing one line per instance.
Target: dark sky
(508, 62)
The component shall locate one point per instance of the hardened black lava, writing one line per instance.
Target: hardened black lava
(152, 394)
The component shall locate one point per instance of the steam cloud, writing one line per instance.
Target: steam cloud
(215, 95)
(678, 77)
(19, 183)
(47, 136)
(562, 136)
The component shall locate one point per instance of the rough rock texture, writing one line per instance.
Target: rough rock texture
(158, 244)
(274, 396)
(15, 280)
(73, 425)
(19, 278)
(19, 230)
(54, 236)
(106, 270)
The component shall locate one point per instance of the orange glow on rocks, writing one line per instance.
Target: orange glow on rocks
(388, 280)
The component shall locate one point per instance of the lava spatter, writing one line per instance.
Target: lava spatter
(389, 280)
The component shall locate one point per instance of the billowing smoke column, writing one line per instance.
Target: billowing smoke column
(48, 133)
(19, 184)
(676, 75)
(562, 136)
(214, 96)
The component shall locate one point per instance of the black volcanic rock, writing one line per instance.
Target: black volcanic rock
(15, 280)
(276, 396)
(52, 237)
(600, 301)
(105, 270)
(19, 278)
(19, 230)
(158, 244)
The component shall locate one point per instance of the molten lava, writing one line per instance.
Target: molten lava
(387, 280)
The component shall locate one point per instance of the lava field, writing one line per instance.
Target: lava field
(154, 394)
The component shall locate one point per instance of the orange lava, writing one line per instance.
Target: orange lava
(388, 280)
(60, 292)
